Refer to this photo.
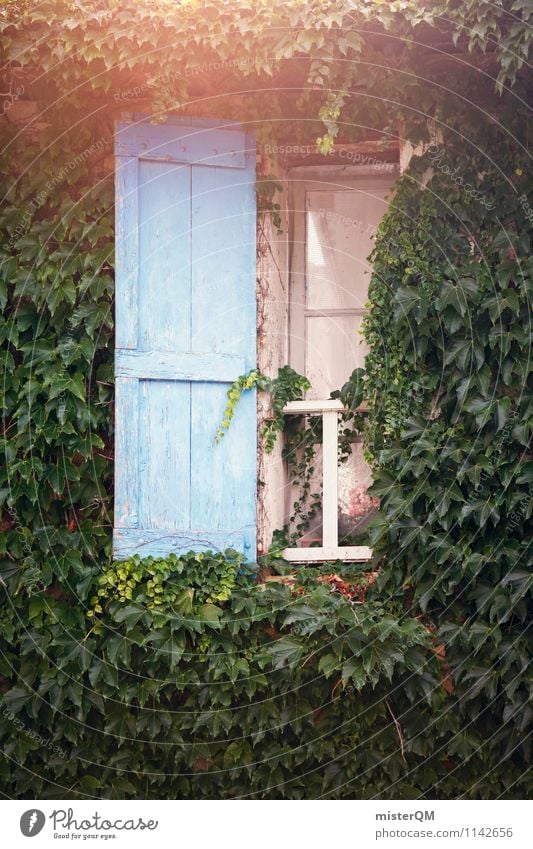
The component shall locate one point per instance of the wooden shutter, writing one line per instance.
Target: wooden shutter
(185, 329)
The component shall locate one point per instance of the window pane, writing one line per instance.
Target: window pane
(340, 226)
(334, 347)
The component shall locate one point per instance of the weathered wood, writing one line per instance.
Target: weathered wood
(156, 543)
(272, 353)
(164, 300)
(126, 452)
(223, 476)
(179, 365)
(195, 145)
(164, 479)
(187, 329)
(126, 251)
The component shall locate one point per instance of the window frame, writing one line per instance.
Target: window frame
(302, 179)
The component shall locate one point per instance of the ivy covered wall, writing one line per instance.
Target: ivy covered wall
(450, 381)
(414, 684)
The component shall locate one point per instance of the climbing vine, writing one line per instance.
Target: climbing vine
(302, 437)
(192, 582)
(184, 677)
(449, 382)
(287, 386)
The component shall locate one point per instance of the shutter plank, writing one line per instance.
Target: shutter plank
(126, 251)
(164, 454)
(164, 304)
(223, 318)
(221, 495)
(186, 144)
(156, 543)
(126, 452)
(179, 365)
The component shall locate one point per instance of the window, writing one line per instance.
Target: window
(335, 220)
(335, 217)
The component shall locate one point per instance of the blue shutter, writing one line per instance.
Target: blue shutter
(185, 329)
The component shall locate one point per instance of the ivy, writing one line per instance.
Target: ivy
(178, 584)
(287, 386)
(189, 677)
(301, 436)
(189, 701)
(120, 51)
(451, 418)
